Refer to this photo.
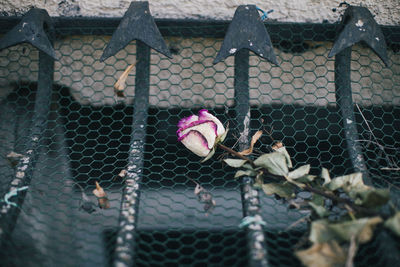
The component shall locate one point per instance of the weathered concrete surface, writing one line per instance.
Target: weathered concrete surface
(386, 11)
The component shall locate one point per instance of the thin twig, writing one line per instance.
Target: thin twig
(302, 219)
(376, 139)
(352, 252)
(390, 169)
(350, 203)
(237, 154)
(306, 187)
(376, 143)
(192, 180)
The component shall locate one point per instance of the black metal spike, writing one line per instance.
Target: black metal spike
(359, 25)
(137, 24)
(35, 28)
(247, 31)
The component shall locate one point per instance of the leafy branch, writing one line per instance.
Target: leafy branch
(334, 241)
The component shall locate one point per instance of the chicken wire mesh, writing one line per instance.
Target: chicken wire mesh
(89, 130)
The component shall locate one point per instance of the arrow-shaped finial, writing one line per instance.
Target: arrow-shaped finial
(247, 31)
(137, 24)
(359, 25)
(33, 28)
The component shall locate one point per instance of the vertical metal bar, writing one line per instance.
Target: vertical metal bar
(124, 251)
(24, 170)
(346, 108)
(250, 195)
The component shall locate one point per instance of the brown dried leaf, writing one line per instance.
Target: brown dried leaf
(122, 173)
(206, 198)
(363, 229)
(101, 197)
(14, 157)
(328, 254)
(277, 145)
(254, 139)
(119, 86)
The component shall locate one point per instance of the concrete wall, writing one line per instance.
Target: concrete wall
(386, 11)
(190, 79)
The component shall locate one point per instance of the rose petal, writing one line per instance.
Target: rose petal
(205, 115)
(183, 123)
(208, 129)
(196, 143)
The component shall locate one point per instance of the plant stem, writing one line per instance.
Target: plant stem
(308, 188)
(237, 154)
(350, 203)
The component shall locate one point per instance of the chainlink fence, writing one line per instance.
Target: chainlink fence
(89, 130)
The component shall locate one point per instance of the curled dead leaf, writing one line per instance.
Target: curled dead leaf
(206, 198)
(101, 197)
(122, 173)
(254, 139)
(277, 145)
(322, 231)
(119, 86)
(328, 254)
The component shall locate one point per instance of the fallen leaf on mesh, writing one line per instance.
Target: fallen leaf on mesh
(101, 197)
(275, 163)
(279, 147)
(328, 254)
(123, 173)
(285, 190)
(14, 158)
(362, 194)
(254, 139)
(393, 223)
(205, 197)
(322, 231)
(119, 86)
(85, 203)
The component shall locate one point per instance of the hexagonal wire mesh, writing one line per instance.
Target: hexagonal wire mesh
(89, 131)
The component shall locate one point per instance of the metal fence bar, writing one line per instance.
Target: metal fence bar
(346, 108)
(250, 196)
(125, 247)
(17, 190)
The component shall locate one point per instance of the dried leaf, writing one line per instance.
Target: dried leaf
(14, 158)
(319, 210)
(393, 223)
(362, 194)
(351, 252)
(235, 163)
(322, 231)
(123, 173)
(209, 156)
(328, 254)
(205, 197)
(278, 147)
(274, 162)
(222, 137)
(119, 86)
(318, 200)
(299, 172)
(254, 139)
(325, 175)
(101, 197)
(241, 173)
(347, 182)
(86, 204)
(283, 190)
(370, 197)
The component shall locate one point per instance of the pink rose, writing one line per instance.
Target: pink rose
(201, 133)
